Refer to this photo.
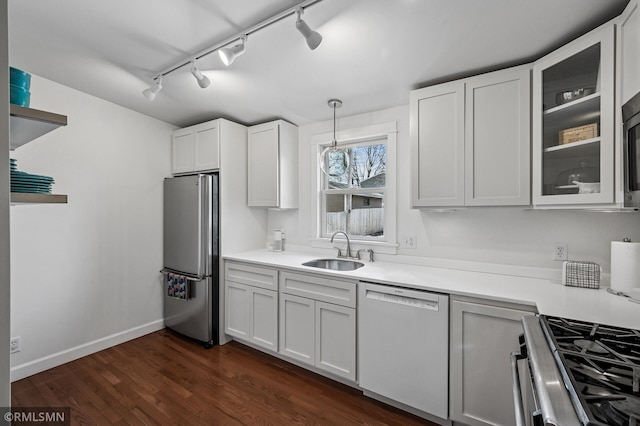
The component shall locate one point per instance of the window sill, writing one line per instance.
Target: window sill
(381, 247)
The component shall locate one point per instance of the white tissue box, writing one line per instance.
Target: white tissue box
(577, 273)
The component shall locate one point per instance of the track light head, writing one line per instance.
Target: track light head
(312, 37)
(229, 54)
(152, 91)
(203, 80)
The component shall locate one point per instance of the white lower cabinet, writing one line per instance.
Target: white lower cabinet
(335, 339)
(297, 328)
(251, 312)
(482, 335)
(319, 329)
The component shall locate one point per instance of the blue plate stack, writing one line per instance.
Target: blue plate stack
(19, 89)
(26, 182)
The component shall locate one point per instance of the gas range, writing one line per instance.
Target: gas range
(600, 367)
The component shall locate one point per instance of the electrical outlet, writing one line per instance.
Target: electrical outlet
(14, 345)
(560, 251)
(409, 242)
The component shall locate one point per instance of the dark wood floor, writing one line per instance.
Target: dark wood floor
(164, 379)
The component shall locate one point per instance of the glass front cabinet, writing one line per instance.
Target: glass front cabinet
(573, 123)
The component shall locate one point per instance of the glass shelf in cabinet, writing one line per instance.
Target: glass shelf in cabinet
(578, 103)
(585, 148)
(574, 113)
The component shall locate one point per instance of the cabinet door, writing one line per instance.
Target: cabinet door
(236, 310)
(297, 328)
(437, 144)
(498, 138)
(182, 151)
(263, 170)
(206, 146)
(482, 337)
(628, 55)
(264, 318)
(573, 123)
(335, 334)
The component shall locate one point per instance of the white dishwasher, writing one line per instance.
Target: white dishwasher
(404, 346)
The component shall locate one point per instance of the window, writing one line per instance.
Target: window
(354, 201)
(362, 200)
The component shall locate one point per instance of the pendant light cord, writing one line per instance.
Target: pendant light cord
(334, 103)
(335, 142)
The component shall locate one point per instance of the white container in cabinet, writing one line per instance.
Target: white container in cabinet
(196, 148)
(584, 66)
(318, 322)
(470, 141)
(251, 304)
(273, 165)
(482, 335)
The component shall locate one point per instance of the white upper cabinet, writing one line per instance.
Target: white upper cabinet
(470, 141)
(273, 165)
(627, 81)
(573, 123)
(498, 138)
(196, 148)
(437, 145)
(628, 53)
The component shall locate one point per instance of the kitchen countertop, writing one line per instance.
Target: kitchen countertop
(549, 297)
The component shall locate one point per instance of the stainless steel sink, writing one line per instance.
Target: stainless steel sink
(334, 264)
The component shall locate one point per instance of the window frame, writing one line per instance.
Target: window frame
(385, 133)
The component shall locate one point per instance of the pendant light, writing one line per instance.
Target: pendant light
(334, 161)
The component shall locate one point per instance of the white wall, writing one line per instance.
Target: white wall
(5, 388)
(85, 275)
(507, 236)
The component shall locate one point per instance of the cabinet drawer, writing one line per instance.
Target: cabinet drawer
(318, 288)
(251, 275)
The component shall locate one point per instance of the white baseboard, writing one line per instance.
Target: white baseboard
(39, 365)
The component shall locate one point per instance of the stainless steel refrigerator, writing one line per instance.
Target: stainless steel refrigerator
(190, 272)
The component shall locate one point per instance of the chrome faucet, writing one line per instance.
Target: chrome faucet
(348, 244)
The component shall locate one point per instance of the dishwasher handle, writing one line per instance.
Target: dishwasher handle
(403, 296)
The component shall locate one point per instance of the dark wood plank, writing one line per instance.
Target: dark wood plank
(163, 378)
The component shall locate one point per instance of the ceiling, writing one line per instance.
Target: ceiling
(372, 54)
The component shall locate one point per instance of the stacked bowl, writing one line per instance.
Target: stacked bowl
(19, 88)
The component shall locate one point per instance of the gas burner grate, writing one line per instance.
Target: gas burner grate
(601, 369)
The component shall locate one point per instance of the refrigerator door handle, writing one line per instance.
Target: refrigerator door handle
(188, 277)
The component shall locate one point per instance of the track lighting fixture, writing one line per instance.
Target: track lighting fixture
(229, 54)
(313, 37)
(152, 91)
(203, 80)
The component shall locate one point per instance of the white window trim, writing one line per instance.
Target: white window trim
(386, 131)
